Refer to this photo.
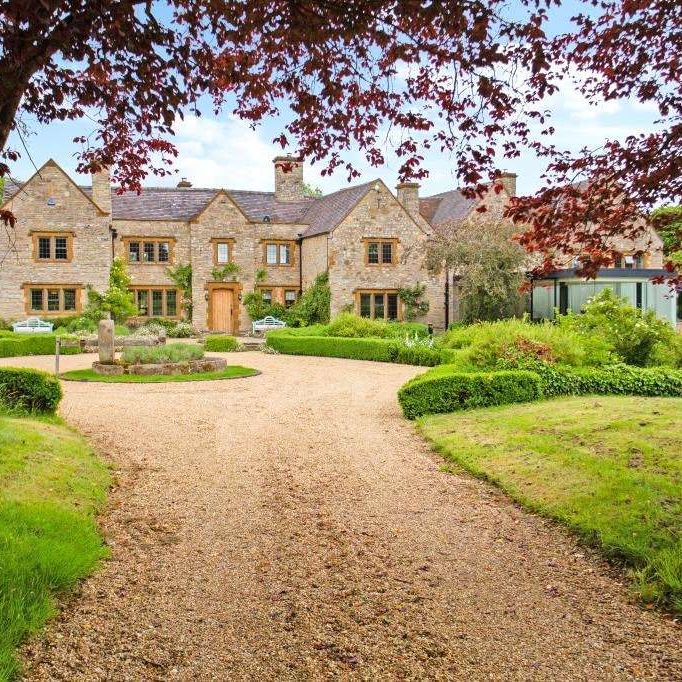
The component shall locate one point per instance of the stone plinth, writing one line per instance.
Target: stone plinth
(105, 341)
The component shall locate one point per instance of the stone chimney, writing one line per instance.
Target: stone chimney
(408, 196)
(288, 178)
(184, 183)
(101, 189)
(508, 181)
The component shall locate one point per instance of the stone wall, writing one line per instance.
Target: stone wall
(314, 258)
(51, 202)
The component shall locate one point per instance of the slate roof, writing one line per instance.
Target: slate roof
(321, 215)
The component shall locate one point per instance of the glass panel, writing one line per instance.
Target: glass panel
(223, 254)
(157, 302)
(43, 247)
(171, 302)
(267, 295)
(289, 298)
(373, 252)
(69, 299)
(379, 306)
(271, 254)
(53, 300)
(134, 252)
(392, 306)
(164, 252)
(365, 305)
(60, 248)
(36, 299)
(143, 302)
(148, 255)
(284, 254)
(387, 252)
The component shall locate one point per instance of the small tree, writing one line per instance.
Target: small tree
(668, 223)
(488, 264)
(117, 300)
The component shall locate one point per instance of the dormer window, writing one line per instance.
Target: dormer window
(381, 251)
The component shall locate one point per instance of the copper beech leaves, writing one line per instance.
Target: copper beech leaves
(467, 78)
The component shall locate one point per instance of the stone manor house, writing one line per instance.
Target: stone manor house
(371, 241)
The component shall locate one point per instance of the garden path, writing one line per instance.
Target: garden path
(293, 526)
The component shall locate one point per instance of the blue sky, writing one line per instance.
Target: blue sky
(225, 152)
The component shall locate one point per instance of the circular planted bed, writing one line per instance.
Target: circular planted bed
(170, 362)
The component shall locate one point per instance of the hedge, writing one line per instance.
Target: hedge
(381, 350)
(221, 343)
(450, 392)
(29, 389)
(32, 344)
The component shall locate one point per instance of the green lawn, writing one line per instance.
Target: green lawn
(51, 486)
(610, 468)
(230, 372)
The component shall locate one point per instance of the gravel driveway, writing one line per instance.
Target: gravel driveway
(293, 526)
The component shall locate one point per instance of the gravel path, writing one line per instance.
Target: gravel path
(292, 526)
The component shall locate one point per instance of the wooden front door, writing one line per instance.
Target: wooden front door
(221, 310)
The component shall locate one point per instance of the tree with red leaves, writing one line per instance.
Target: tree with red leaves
(466, 77)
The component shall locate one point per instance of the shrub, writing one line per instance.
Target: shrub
(354, 326)
(182, 330)
(221, 343)
(450, 391)
(151, 329)
(14, 345)
(171, 352)
(29, 389)
(313, 305)
(632, 333)
(381, 350)
(117, 300)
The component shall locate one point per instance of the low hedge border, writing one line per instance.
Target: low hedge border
(448, 389)
(32, 344)
(359, 348)
(29, 390)
(221, 343)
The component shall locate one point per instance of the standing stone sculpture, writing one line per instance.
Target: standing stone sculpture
(105, 341)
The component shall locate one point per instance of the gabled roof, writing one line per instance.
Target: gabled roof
(325, 213)
(446, 206)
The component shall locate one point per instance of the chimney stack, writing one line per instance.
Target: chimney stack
(288, 178)
(101, 189)
(408, 196)
(508, 181)
(184, 183)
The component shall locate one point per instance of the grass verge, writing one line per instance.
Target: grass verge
(51, 487)
(607, 467)
(231, 372)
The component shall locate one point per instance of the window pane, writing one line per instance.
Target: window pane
(289, 298)
(164, 252)
(379, 306)
(53, 300)
(157, 302)
(60, 248)
(392, 306)
(387, 252)
(373, 252)
(36, 299)
(69, 299)
(148, 255)
(43, 247)
(171, 303)
(223, 253)
(272, 254)
(143, 302)
(284, 254)
(365, 305)
(267, 295)
(134, 252)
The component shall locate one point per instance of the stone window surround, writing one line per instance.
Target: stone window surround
(357, 293)
(51, 235)
(230, 246)
(149, 239)
(393, 241)
(279, 242)
(279, 293)
(134, 288)
(60, 287)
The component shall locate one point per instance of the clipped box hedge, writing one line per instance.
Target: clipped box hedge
(29, 389)
(15, 345)
(453, 391)
(221, 343)
(380, 350)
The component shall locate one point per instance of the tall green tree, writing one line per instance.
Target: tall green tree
(117, 300)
